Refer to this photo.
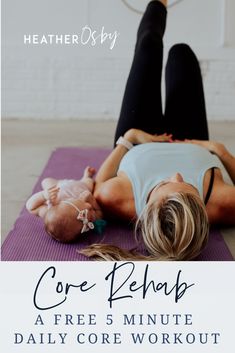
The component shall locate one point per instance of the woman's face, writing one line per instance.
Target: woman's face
(173, 184)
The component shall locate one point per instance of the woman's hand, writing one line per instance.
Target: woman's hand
(137, 136)
(220, 151)
(212, 146)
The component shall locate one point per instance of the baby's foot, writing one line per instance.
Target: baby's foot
(89, 172)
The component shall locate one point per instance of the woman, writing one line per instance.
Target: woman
(173, 190)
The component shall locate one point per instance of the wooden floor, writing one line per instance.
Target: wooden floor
(27, 145)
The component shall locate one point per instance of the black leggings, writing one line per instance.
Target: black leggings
(185, 112)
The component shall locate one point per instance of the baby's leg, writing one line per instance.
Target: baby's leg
(90, 183)
(89, 172)
(48, 183)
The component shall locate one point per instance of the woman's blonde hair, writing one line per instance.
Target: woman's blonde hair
(174, 229)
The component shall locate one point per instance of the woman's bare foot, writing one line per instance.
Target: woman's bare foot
(164, 2)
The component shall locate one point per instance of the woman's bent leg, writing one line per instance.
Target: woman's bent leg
(185, 113)
(142, 105)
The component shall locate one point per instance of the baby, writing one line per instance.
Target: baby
(67, 207)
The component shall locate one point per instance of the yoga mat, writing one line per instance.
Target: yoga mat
(28, 241)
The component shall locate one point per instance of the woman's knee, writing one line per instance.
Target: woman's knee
(181, 50)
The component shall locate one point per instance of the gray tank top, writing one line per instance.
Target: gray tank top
(148, 164)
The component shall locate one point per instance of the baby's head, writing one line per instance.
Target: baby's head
(67, 220)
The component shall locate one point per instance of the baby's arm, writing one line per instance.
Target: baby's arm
(87, 178)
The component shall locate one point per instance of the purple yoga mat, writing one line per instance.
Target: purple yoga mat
(28, 240)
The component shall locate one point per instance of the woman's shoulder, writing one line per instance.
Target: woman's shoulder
(115, 197)
(221, 205)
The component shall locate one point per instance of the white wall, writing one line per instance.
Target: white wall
(60, 82)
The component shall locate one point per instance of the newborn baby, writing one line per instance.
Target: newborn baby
(67, 207)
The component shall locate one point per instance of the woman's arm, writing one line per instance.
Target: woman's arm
(110, 166)
(221, 152)
(228, 161)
